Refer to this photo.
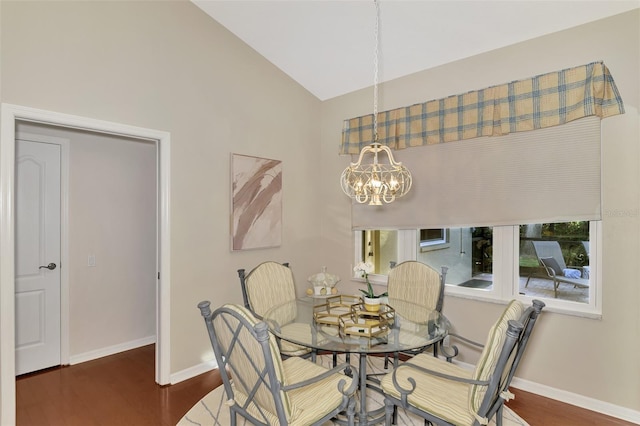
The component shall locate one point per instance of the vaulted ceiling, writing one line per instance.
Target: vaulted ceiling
(328, 46)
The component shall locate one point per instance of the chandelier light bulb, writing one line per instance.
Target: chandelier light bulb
(375, 182)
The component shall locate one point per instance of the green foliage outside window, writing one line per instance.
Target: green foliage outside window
(570, 236)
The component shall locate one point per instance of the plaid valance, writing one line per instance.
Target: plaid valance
(535, 103)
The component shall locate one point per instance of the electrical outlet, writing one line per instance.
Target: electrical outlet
(91, 261)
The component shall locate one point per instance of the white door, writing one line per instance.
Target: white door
(37, 256)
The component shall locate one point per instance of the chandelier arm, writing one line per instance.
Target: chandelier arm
(392, 160)
(361, 156)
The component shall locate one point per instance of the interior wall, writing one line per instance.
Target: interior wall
(112, 216)
(567, 354)
(168, 66)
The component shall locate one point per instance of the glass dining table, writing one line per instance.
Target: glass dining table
(341, 325)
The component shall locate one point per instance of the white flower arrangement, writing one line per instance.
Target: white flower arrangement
(364, 269)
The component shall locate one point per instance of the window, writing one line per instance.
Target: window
(554, 261)
(434, 239)
(380, 248)
(468, 256)
(500, 262)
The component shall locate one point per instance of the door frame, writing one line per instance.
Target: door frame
(9, 114)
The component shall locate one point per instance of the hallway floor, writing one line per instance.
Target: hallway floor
(110, 391)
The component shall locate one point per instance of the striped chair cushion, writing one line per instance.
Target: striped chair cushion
(312, 402)
(302, 333)
(443, 398)
(416, 313)
(304, 401)
(269, 284)
(491, 352)
(415, 282)
(244, 371)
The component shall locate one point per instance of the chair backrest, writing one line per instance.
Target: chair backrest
(551, 263)
(249, 363)
(415, 282)
(546, 249)
(267, 285)
(504, 348)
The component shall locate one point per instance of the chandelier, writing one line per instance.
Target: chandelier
(375, 182)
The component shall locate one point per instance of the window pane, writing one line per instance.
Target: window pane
(432, 239)
(468, 253)
(380, 247)
(554, 261)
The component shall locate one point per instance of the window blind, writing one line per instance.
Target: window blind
(541, 176)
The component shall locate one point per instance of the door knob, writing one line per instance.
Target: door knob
(50, 266)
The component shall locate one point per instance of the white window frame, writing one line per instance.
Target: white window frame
(436, 243)
(506, 251)
(406, 250)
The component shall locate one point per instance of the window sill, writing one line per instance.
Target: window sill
(583, 312)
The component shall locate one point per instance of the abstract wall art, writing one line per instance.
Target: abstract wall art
(256, 205)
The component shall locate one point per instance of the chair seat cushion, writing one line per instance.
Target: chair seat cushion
(305, 409)
(443, 398)
(296, 329)
(572, 273)
(291, 349)
(305, 401)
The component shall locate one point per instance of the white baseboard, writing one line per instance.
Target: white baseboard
(194, 371)
(578, 400)
(111, 350)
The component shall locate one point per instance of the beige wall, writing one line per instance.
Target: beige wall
(168, 66)
(592, 358)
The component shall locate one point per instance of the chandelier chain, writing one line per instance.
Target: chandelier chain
(376, 33)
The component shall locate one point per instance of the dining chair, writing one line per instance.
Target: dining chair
(447, 394)
(417, 283)
(263, 388)
(265, 286)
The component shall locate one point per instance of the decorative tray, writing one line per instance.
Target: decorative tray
(333, 307)
(360, 322)
(349, 315)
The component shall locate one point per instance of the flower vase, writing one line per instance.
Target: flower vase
(371, 304)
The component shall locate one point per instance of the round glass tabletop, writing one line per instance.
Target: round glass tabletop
(342, 324)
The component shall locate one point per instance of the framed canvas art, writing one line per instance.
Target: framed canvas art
(256, 202)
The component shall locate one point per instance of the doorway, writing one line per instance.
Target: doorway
(110, 239)
(10, 115)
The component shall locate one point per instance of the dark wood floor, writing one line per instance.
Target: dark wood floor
(111, 391)
(120, 390)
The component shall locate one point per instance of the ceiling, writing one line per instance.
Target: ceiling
(328, 46)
